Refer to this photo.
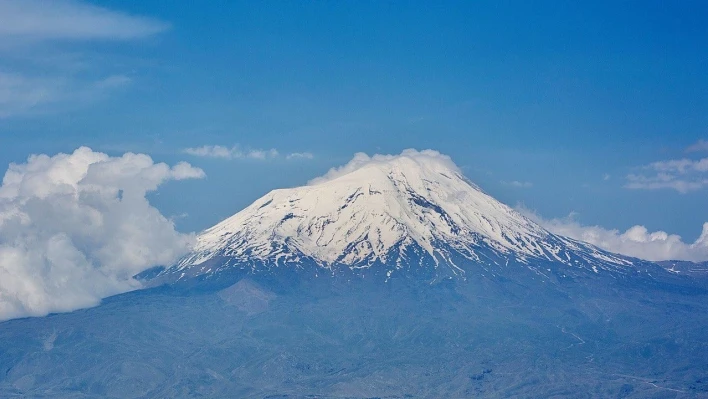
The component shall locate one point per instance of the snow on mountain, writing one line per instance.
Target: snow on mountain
(412, 209)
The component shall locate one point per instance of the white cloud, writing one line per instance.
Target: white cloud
(20, 94)
(113, 81)
(300, 155)
(70, 20)
(699, 146)
(664, 181)
(211, 151)
(361, 160)
(42, 64)
(517, 184)
(184, 170)
(606, 177)
(75, 227)
(680, 166)
(682, 175)
(236, 152)
(259, 154)
(637, 241)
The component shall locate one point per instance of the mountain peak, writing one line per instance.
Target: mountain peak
(406, 210)
(410, 160)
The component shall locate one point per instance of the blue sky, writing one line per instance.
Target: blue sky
(562, 107)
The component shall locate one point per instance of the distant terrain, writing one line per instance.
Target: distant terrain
(265, 339)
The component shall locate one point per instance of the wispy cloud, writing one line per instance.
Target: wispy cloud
(239, 152)
(235, 152)
(70, 20)
(21, 94)
(517, 184)
(637, 241)
(42, 64)
(112, 82)
(261, 154)
(699, 146)
(683, 175)
(680, 166)
(665, 181)
(300, 155)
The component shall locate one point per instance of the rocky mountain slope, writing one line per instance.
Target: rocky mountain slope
(411, 211)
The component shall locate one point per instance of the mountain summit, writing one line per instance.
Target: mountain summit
(386, 213)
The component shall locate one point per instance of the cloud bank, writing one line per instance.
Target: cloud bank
(637, 241)
(361, 160)
(75, 228)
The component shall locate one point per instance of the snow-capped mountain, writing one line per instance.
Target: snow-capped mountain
(411, 210)
(390, 277)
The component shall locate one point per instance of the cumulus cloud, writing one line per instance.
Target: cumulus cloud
(75, 228)
(637, 241)
(517, 184)
(361, 160)
(699, 146)
(682, 175)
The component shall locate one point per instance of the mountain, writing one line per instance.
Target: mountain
(388, 216)
(391, 277)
